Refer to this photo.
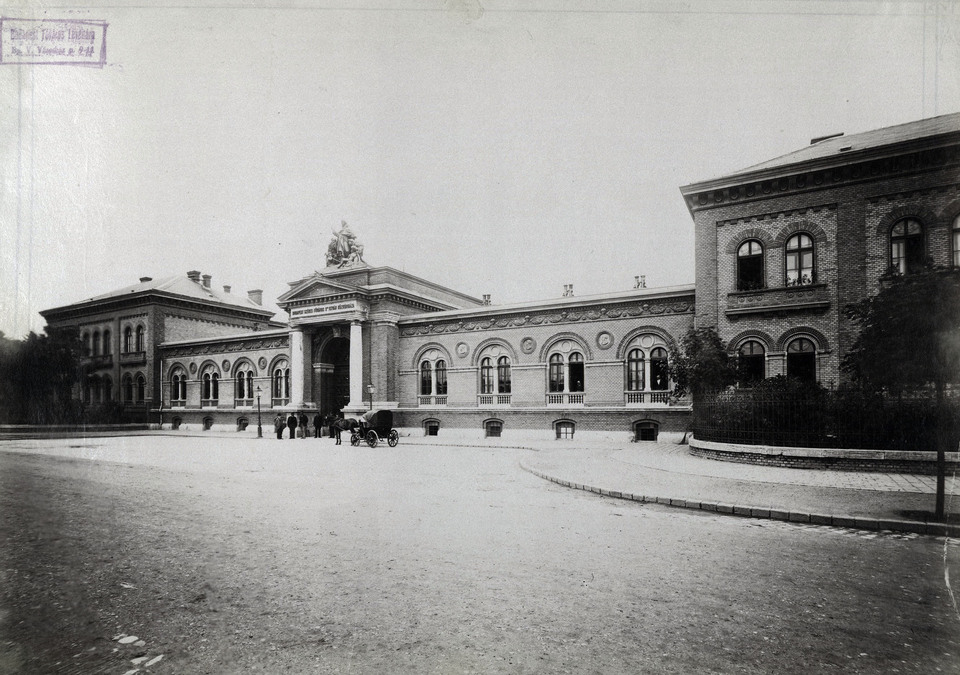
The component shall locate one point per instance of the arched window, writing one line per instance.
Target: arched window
(141, 388)
(440, 371)
(107, 343)
(799, 260)
(750, 266)
(906, 246)
(96, 349)
(956, 241)
(557, 382)
(140, 342)
(493, 428)
(751, 363)
(128, 388)
(503, 375)
(127, 340)
(802, 360)
(426, 378)
(635, 363)
(486, 375)
(281, 383)
(566, 375)
(244, 385)
(576, 372)
(565, 429)
(178, 388)
(659, 373)
(210, 382)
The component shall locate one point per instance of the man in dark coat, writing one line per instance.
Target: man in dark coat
(292, 425)
(278, 426)
(317, 423)
(302, 420)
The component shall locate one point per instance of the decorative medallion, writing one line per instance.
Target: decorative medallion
(646, 341)
(604, 340)
(262, 363)
(527, 345)
(565, 346)
(193, 368)
(495, 352)
(462, 350)
(225, 365)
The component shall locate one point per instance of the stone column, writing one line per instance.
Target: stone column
(356, 404)
(297, 367)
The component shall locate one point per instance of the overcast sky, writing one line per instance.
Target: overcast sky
(490, 147)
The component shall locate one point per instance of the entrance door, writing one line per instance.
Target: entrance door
(336, 385)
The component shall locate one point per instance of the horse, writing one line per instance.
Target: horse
(343, 424)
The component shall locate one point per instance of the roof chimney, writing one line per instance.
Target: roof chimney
(256, 296)
(194, 275)
(568, 290)
(486, 298)
(144, 280)
(206, 280)
(814, 141)
(640, 281)
(226, 289)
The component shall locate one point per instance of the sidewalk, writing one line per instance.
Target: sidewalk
(668, 474)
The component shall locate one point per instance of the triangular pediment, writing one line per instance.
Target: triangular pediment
(316, 286)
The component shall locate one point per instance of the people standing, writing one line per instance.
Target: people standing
(336, 427)
(278, 425)
(317, 423)
(292, 425)
(302, 420)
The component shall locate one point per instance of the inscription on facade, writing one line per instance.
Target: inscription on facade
(323, 310)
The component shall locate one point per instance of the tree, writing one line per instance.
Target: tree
(700, 365)
(38, 375)
(909, 341)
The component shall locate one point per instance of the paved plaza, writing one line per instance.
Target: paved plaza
(221, 553)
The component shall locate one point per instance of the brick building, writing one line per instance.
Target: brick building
(781, 248)
(784, 246)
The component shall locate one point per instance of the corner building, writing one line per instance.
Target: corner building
(784, 246)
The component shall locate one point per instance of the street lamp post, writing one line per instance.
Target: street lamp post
(371, 390)
(259, 419)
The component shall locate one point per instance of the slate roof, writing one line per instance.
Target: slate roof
(933, 126)
(179, 285)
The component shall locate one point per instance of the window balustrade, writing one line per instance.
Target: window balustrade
(431, 400)
(564, 399)
(646, 397)
(494, 399)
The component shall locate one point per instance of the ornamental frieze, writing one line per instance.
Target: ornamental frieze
(622, 311)
(252, 345)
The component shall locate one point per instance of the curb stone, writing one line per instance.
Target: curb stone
(869, 524)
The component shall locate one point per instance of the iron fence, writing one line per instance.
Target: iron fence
(825, 419)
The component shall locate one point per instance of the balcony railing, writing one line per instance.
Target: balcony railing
(565, 399)
(99, 361)
(796, 297)
(133, 357)
(493, 399)
(646, 397)
(432, 400)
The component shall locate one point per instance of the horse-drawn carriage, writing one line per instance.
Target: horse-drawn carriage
(373, 427)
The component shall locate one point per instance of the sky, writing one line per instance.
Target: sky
(499, 147)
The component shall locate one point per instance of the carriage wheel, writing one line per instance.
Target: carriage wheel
(372, 438)
(354, 439)
(393, 438)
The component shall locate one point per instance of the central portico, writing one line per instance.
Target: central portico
(344, 335)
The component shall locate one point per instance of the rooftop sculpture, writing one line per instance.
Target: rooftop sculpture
(344, 249)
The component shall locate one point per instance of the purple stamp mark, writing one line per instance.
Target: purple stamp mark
(58, 42)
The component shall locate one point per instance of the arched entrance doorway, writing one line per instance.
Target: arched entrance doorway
(335, 394)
